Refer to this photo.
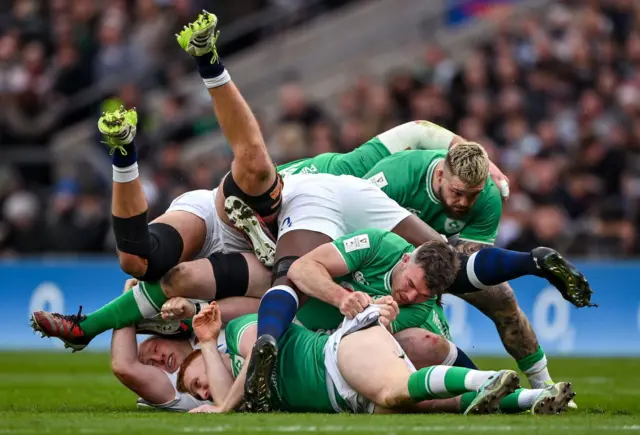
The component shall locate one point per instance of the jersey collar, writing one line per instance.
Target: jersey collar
(429, 180)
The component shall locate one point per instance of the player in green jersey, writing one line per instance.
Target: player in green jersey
(359, 369)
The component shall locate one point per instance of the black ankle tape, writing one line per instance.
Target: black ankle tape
(266, 204)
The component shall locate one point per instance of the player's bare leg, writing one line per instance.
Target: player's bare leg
(370, 362)
(253, 177)
(145, 252)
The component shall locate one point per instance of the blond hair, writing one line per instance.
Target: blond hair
(469, 162)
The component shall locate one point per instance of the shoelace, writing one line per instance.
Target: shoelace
(75, 319)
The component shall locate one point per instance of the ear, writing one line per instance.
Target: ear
(406, 258)
(439, 174)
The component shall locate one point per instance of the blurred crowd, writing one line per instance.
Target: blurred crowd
(555, 100)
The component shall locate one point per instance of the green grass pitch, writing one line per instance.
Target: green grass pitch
(57, 393)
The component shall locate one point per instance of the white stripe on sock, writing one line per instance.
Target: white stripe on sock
(452, 356)
(475, 378)
(147, 310)
(527, 397)
(126, 174)
(218, 81)
(471, 273)
(436, 382)
(287, 289)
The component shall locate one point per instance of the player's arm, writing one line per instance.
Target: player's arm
(235, 397)
(207, 325)
(148, 382)
(313, 274)
(418, 135)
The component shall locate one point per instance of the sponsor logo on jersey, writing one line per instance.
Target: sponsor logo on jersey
(379, 180)
(311, 169)
(453, 226)
(356, 243)
(286, 223)
(359, 278)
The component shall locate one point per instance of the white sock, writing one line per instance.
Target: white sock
(527, 397)
(452, 356)
(475, 378)
(126, 174)
(539, 379)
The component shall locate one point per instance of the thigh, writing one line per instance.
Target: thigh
(295, 244)
(192, 215)
(369, 361)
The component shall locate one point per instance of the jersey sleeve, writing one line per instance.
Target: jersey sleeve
(484, 226)
(234, 330)
(359, 248)
(412, 316)
(416, 135)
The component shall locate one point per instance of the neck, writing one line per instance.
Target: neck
(435, 184)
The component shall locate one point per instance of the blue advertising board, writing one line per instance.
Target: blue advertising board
(611, 329)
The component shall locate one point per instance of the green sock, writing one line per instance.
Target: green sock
(520, 400)
(440, 382)
(143, 301)
(535, 367)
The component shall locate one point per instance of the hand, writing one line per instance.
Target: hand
(501, 180)
(178, 308)
(388, 310)
(206, 409)
(129, 284)
(207, 323)
(354, 303)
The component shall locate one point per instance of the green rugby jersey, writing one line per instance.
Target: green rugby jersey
(371, 255)
(301, 376)
(406, 178)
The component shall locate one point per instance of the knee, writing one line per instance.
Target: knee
(505, 304)
(132, 264)
(423, 348)
(177, 279)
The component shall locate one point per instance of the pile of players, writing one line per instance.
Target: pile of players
(327, 273)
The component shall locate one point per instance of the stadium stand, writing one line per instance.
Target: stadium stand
(555, 99)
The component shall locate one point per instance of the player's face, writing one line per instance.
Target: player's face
(456, 198)
(195, 379)
(162, 353)
(408, 285)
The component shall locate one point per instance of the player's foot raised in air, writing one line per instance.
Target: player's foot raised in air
(242, 217)
(569, 281)
(199, 37)
(554, 399)
(118, 128)
(257, 391)
(492, 391)
(64, 327)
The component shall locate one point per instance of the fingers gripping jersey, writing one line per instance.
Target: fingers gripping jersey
(300, 371)
(406, 177)
(371, 255)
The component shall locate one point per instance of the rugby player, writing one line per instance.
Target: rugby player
(360, 368)
(192, 228)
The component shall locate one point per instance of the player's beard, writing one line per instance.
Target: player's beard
(450, 212)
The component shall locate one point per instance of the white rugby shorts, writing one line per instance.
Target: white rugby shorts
(336, 205)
